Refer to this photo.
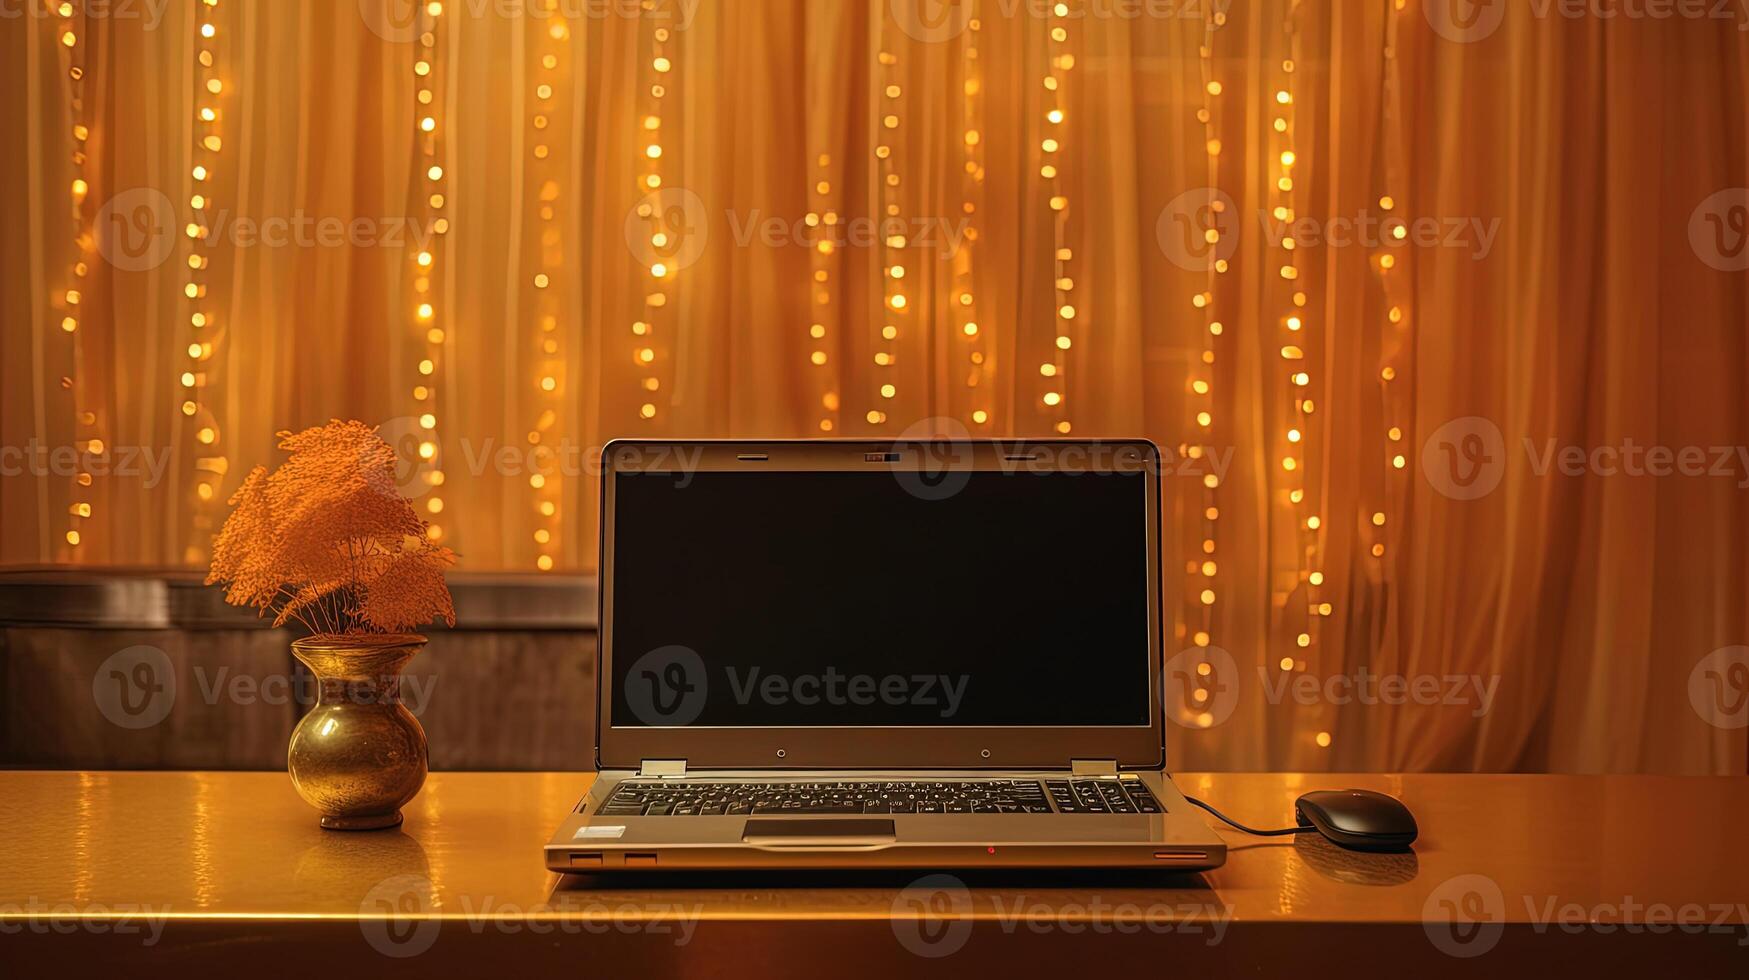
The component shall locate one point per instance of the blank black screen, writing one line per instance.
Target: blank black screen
(1021, 599)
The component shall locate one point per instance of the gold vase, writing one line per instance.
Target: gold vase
(359, 755)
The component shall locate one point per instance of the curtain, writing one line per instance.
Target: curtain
(1568, 192)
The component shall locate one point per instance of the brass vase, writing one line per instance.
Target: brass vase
(359, 755)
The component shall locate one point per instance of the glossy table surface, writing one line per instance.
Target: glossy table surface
(169, 868)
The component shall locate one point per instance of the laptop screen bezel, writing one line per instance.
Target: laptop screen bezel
(877, 747)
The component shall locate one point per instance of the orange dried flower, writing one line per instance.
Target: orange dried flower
(328, 540)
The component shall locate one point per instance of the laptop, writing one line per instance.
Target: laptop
(849, 654)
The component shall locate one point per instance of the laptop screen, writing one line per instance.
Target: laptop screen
(801, 599)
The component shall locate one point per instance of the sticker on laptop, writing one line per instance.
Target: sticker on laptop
(599, 830)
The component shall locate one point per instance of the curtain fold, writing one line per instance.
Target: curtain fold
(1570, 280)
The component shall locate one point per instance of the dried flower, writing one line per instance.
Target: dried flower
(328, 540)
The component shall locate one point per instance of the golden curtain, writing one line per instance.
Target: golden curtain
(1568, 278)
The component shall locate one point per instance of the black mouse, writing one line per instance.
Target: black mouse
(1358, 819)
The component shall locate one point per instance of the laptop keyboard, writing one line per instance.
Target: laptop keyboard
(699, 798)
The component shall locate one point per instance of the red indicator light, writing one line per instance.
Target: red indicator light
(992, 850)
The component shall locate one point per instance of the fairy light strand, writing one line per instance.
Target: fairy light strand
(823, 258)
(1055, 370)
(659, 285)
(550, 258)
(895, 304)
(1292, 323)
(964, 303)
(429, 79)
(1296, 338)
(1396, 325)
(73, 57)
(204, 331)
(1203, 565)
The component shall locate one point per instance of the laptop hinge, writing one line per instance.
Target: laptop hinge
(662, 767)
(1093, 767)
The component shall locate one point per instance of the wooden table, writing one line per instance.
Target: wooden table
(185, 874)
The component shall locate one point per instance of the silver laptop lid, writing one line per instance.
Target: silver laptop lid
(838, 604)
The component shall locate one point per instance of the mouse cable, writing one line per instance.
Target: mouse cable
(1239, 826)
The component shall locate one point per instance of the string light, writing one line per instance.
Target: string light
(823, 257)
(659, 278)
(73, 55)
(896, 304)
(1296, 336)
(972, 331)
(1055, 370)
(205, 332)
(549, 84)
(1396, 327)
(1203, 565)
(430, 77)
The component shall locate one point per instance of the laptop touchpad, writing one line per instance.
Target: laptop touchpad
(801, 832)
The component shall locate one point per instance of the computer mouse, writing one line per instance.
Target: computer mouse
(1358, 819)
